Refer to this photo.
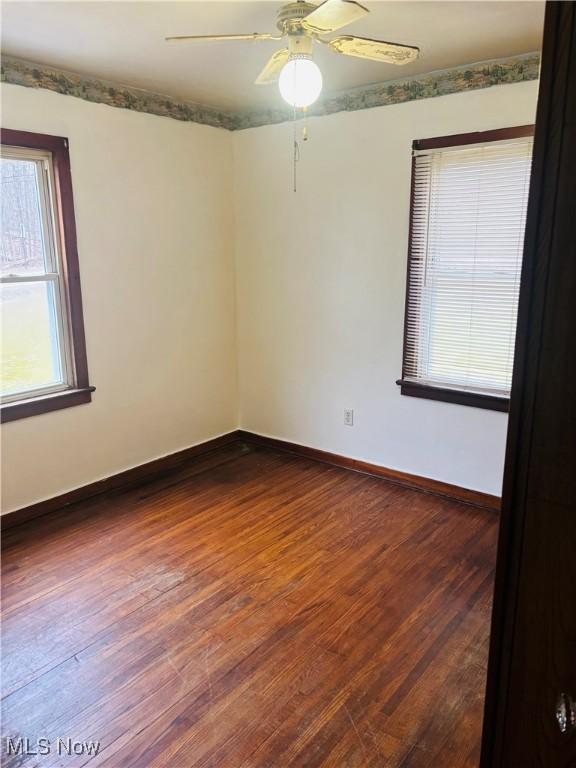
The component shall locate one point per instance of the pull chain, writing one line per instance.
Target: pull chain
(295, 144)
(295, 148)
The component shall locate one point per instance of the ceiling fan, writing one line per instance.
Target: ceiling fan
(304, 23)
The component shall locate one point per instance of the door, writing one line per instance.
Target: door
(530, 719)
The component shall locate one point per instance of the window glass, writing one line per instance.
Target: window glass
(30, 356)
(22, 249)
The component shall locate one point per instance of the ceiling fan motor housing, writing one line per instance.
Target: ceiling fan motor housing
(289, 19)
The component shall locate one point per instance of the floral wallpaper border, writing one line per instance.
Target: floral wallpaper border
(466, 78)
(20, 72)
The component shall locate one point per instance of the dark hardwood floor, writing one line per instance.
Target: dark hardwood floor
(256, 610)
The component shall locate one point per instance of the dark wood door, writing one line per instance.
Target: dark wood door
(530, 718)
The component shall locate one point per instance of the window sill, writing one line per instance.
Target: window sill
(21, 409)
(457, 396)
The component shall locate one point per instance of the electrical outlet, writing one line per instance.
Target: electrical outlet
(348, 417)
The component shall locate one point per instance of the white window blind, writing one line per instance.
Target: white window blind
(467, 234)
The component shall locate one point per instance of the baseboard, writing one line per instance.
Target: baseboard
(152, 470)
(414, 482)
(136, 476)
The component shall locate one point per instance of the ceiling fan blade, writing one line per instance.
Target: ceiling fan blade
(332, 15)
(375, 50)
(214, 38)
(272, 70)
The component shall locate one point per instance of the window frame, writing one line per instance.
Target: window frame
(59, 199)
(426, 390)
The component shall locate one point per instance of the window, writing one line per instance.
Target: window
(43, 357)
(468, 216)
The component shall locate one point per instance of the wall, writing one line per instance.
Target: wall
(320, 291)
(154, 219)
(321, 284)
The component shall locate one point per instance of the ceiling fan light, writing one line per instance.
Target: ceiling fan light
(300, 81)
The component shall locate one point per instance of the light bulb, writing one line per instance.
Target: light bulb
(300, 82)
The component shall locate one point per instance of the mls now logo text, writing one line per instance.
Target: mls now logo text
(66, 746)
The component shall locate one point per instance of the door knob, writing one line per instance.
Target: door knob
(566, 712)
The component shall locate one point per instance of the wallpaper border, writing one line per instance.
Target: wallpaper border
(484, 74)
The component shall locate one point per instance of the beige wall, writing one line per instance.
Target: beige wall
(321, 283)
(319, 289)
(155, 241)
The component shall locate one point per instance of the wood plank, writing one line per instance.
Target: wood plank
(406, 479)
(129, 478)
(258, 609)
(183, 461)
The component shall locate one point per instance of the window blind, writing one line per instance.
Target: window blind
(465, 256)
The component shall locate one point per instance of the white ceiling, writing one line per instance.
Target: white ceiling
(123, 41)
